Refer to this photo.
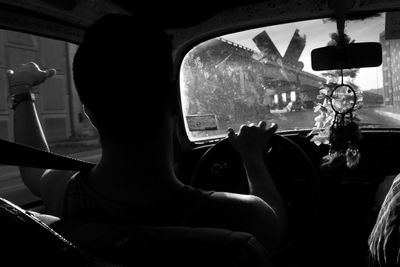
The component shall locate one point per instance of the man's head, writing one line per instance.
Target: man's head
(122, 72)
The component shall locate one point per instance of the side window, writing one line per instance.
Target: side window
(67, 129)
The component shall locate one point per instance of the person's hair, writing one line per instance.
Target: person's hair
(122, 70)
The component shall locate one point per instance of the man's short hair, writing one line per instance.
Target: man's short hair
(122, 63)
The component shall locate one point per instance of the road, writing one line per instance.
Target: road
(379, 118)
(370, 118)
(12, 188)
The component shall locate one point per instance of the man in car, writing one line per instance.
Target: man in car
(125, 84)
(384, 238)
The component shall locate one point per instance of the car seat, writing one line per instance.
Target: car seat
(30, 238)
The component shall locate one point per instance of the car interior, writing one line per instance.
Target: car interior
(304, 65)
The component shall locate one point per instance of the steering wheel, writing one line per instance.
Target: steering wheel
(221, 169)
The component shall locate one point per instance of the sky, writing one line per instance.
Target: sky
(318, 35)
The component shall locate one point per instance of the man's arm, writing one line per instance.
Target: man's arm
(262, 186)
(27, 127)
(250, 144)
(28, 131)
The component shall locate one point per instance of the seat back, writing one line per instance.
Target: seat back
(166, 246)
(27, 241)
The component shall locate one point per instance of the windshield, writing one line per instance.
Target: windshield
(266, 74)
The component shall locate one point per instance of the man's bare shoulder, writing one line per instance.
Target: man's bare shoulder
(235, 199)
(239, 212)
(236, 210)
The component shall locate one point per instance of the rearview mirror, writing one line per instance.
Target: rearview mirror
(348, 56)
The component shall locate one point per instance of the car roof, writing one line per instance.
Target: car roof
(189, 21)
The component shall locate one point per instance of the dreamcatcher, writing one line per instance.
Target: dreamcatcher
(344, 133)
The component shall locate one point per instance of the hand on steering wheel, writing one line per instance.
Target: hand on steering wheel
(251, 140)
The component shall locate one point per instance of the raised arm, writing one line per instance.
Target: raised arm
(27, 127)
